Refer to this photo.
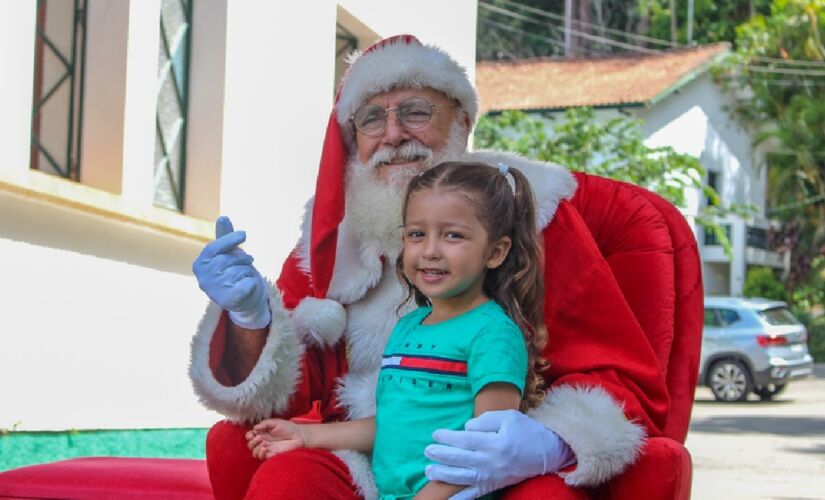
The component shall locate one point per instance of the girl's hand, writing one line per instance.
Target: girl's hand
(273, 436)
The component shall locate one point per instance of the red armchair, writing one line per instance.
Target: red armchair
(653, 254)
(654, 257)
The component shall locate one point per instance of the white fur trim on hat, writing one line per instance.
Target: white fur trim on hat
(272, 381)
(321, 321)
(595, 427)
(551, 183)
(404, 65)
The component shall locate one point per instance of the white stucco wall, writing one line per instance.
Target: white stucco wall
(694, 121)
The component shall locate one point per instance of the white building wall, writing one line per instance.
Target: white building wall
(98, 298)
(694, 120)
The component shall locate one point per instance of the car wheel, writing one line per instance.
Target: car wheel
(730, 380)
(767, 392)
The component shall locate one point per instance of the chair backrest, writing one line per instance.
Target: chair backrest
(653, 254)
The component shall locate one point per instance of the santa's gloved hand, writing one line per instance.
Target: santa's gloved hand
(496, 449)
(226, 274)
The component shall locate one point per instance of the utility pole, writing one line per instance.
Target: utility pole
(568, 25)
(690, 23)
(673, 40)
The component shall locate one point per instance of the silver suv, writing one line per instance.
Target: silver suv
(751, 345)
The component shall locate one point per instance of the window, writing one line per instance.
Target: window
(170, 130)
(757, 237)
(721, 317)
(779, 316)
(60, 46)
(714, 182)
(712, 239)
(711, 318)
(728, 316)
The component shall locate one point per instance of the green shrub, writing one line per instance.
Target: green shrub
(761, 282)
(816, 340)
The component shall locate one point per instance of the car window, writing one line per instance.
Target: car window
(779, 316)
(728, 316)
(711, 318)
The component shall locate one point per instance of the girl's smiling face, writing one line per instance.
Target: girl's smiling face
(447, 250)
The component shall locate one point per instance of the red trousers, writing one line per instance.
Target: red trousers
(310, 473)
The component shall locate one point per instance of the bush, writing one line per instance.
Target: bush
(816, 340)
(761, 282)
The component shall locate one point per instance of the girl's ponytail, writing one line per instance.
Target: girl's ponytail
(518, 285)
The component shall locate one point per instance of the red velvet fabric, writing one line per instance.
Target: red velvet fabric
(235, 474)
(663, 472)
(109, 478)
(593, 338)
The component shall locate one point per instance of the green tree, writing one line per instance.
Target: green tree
(613, 148)
(777, 76)
(713, 21)
(509, 29)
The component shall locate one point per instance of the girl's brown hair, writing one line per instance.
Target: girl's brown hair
(517, 285)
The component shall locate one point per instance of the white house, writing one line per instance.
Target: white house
(126, 127)
(680, 105)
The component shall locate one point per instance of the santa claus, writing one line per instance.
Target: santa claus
(310, 346)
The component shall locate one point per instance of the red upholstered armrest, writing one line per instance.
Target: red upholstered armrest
(109, 477)
(663, 472)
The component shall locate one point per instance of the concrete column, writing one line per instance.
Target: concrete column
(738, 263)
(140, 100)
(107, 28)
(205, 132)
(17, 33)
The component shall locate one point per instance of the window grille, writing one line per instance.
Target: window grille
(60, 48)
(710, 236)
(172, 107)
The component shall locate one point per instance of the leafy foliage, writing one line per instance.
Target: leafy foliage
(612, 148)
(761, 282)
(509, 29)
(713, 21)
(780, 62)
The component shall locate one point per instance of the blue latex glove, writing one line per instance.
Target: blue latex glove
(226, 274)
(496, 449)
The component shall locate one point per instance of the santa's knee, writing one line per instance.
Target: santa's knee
(541, 487)
(229, 460)
(302, 473)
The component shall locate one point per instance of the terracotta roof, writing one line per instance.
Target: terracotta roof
(545, 83)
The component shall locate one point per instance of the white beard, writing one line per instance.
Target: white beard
(373, 205)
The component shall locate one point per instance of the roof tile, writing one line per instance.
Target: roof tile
(546, 83)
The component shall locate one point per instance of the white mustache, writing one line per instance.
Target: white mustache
(409, 151)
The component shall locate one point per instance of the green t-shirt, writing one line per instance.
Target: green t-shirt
(430, 375)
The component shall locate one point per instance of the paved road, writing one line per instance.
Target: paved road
(756, 450)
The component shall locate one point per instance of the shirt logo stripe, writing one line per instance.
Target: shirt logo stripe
(430, 364)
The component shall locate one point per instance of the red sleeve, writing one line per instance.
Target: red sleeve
(294, 282)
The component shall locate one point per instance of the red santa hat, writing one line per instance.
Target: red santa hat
(396, 62)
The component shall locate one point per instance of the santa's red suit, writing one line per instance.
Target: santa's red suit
(336, 302)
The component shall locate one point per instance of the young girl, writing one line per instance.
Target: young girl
(471, 259)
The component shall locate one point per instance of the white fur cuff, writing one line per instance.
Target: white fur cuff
(321, 321)
(268, 387)
(595, 427)
(361, 472)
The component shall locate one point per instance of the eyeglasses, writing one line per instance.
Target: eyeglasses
(414, 113)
